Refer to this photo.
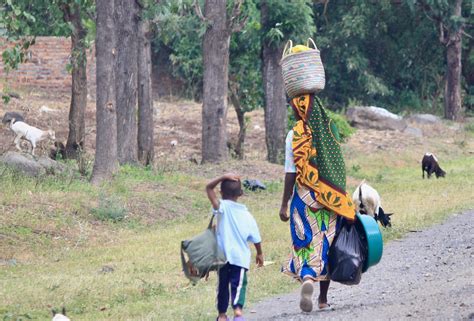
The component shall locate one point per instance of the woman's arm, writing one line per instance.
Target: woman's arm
(290, 179)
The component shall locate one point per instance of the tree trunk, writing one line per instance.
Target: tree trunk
(452, 95)
(76, 136)
(126, 17)
(275, 98)
(239, 148)
(105, 163)
(145, 102)
(215, 80)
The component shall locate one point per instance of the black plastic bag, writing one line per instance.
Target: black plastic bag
(347, 255)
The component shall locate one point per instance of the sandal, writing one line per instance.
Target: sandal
(324, 306)
(306, 301)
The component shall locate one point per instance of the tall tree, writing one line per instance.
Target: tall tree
(145, 102)
(245, 78)
(126, 18)
(448, 17)
(275, 98)
(76, 136)
(281, 20)
(215, 52)
(106, 161)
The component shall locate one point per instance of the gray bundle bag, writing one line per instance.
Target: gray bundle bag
(201, 254)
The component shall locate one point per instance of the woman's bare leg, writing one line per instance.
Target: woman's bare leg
(323, 294)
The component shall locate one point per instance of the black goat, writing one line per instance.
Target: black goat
(12, 116)
(430, 164)
(59, 151)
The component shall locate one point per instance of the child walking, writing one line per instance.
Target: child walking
(235, 227)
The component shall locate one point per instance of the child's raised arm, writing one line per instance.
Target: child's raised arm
(211, 194)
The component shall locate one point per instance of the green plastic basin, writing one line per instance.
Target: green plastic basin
(373, 237)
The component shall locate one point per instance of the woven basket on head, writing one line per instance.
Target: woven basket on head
(303, 71)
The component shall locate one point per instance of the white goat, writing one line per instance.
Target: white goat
(60, 316)
(367, 201)
(32, 134)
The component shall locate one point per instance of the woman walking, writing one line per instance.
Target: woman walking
(315, 181)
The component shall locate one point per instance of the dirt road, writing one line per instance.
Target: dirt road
(426, 276)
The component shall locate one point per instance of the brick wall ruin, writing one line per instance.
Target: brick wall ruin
(45, 67)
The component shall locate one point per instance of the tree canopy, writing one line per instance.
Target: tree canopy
(386, 53)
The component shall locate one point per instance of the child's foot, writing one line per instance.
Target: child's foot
(238, 314)
(306, 301)
(323, 305)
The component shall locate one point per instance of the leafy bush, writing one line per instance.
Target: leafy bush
(110, 209)
(345, 130)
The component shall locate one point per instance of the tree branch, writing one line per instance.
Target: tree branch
(197, 10)
(427, 8)
(140, 5)
(466, 34)
(442, 36)
(233, 24)
(66, 9)
(237, 27)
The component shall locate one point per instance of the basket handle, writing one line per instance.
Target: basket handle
(287, 49)
(311, 41)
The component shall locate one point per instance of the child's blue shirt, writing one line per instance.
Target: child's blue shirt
(235, 227)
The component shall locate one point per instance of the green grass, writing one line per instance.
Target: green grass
(48, 225)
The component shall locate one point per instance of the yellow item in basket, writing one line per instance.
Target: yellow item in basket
(299, 48)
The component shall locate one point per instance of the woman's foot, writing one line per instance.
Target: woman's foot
(323, 304)
(306, 301)
(222, 318)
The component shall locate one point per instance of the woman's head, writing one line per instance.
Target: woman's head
(301, 106)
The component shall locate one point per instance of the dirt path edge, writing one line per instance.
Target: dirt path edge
(428, 275)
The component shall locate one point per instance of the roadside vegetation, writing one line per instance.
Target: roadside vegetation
(112, 252)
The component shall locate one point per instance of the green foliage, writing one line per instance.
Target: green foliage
(245, 67)
(179, 34)
(343, 126)
(345, 130)
(288, 20)
(23, 20)
(14, 56)
(109, 209)
(41, 18)
(363, 58)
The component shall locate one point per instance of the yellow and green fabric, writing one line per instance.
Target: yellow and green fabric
(319, 200)
(318, 157)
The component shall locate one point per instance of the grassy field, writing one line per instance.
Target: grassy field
(57, 247)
